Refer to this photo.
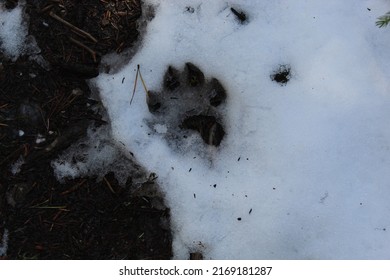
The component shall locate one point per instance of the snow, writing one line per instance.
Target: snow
(40, 139)
(17, 165)
(302, 172)
(96, 155)
(4, 243)
(14, 38)
(12, 31)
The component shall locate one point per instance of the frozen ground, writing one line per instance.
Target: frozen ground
(303, 171)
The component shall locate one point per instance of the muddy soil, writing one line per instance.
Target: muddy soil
(46, 106)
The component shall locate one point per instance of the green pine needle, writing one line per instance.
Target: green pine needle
(383, 20)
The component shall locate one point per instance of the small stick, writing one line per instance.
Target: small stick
(76, 29)
(114, 26)
(108, 184)
(240, 15)
(121, 13)
(74, 188)
(48, 207)
(59, 212)
(25, 146)
(135, 84)
(48, 7)
(127, 5)
(143, 82)
(92, 52)
(17, 151)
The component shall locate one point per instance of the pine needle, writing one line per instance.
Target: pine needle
(384, 20)
(143, 82)
(135, 84)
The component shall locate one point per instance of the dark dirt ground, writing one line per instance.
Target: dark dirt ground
(80, 218)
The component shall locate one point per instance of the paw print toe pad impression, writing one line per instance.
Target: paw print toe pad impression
(190, 102)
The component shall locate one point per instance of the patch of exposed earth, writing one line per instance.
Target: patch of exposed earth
(46, 107)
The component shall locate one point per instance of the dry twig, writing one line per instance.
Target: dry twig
(108, 184)
(92, 52)
(76, 29)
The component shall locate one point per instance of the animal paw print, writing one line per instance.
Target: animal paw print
(189, 102)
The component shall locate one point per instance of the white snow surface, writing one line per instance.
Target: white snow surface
(306, 165)
(13, 31)
(96, 155)
(14, 38)
(4, 243)
(17, 165)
